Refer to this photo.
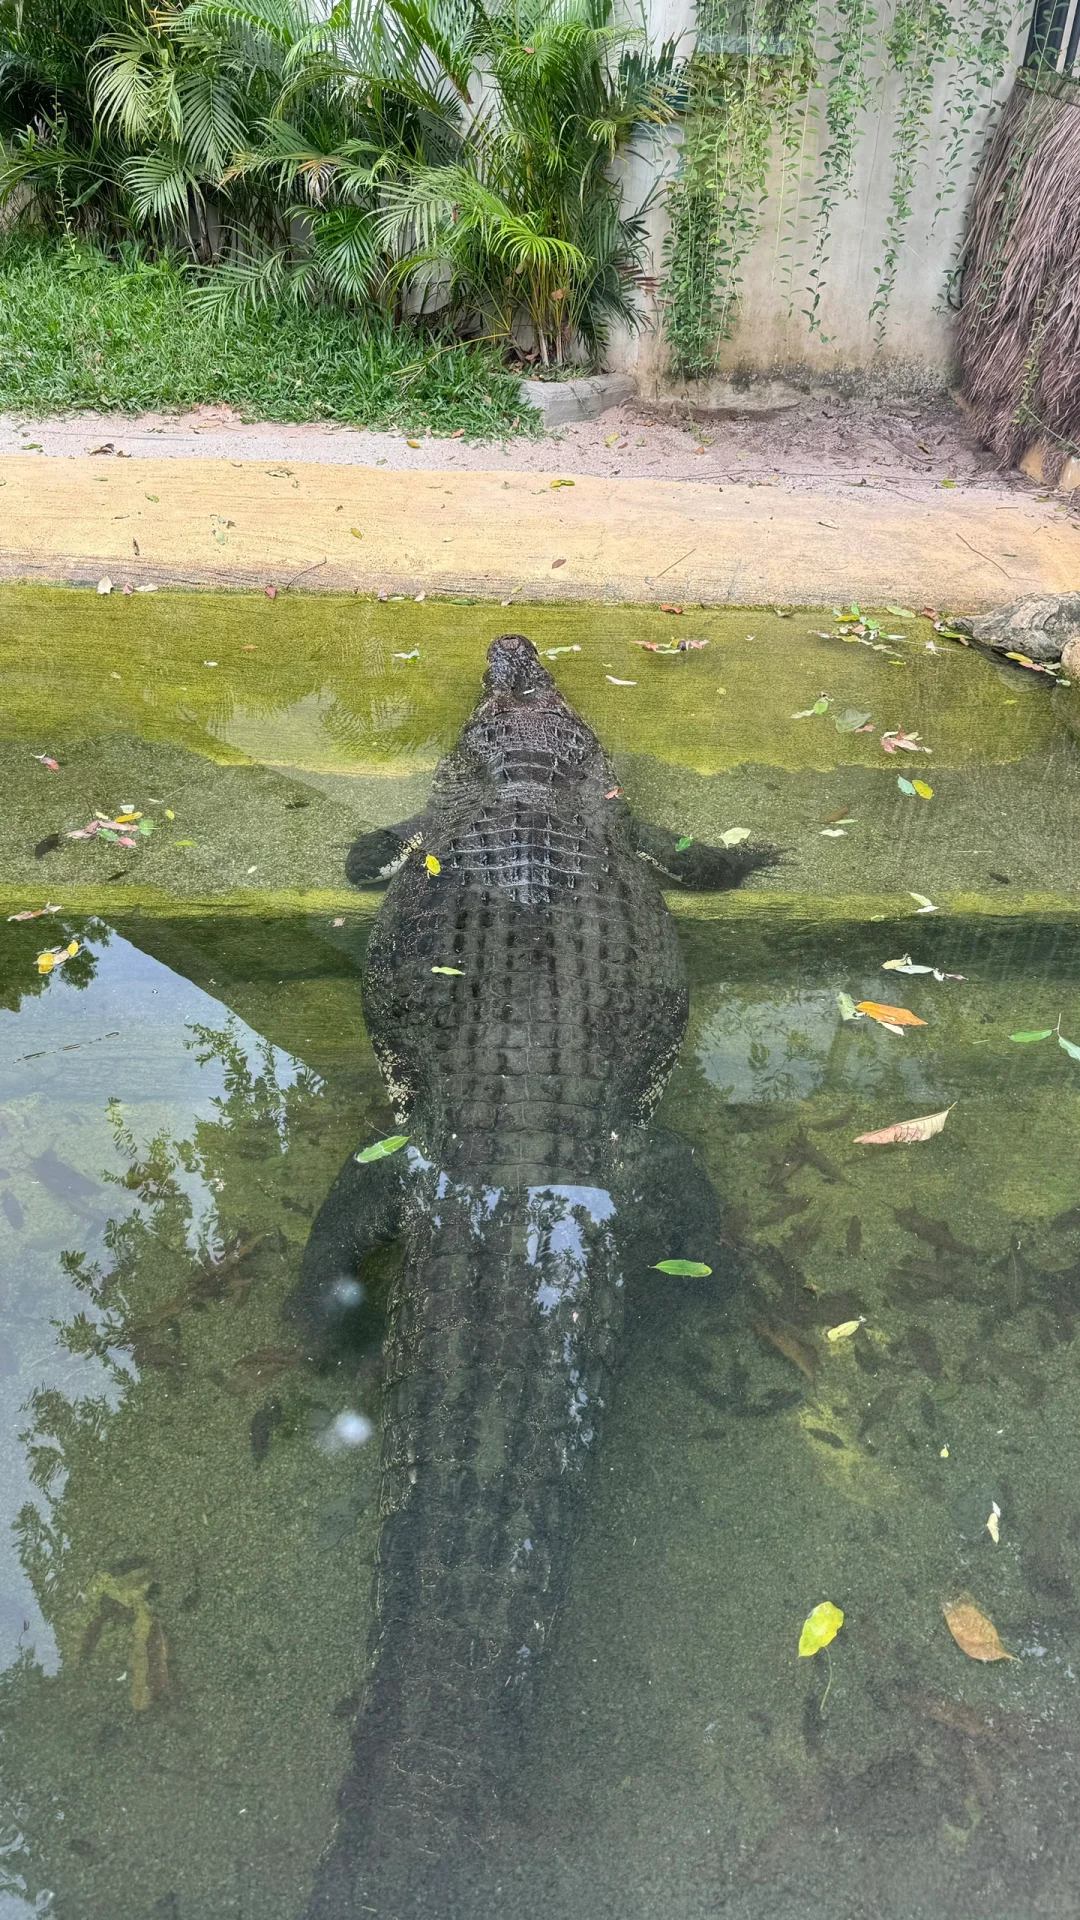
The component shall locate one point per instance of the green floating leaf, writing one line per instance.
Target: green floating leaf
(145, 827)
(848, 1009)
(1043, 1034)
(820, 706)
(902, 613)
(1070, 1047)
(819, 1628)
(382, 1149)
(688, 1269)
(447, 969)
(905, 786)
(850, 720)
(686, 841)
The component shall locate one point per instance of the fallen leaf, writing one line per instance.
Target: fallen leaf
(613, 793)
(906, 786)
(432, 864)
(819, 1628)
(382, 1149)
(682, 844)
(902, 613)
(993, 1524)
(447, 969)
(169, 814)
(339, 922)
(850, 721)
(906, 965)
(558, 563)
(619, 683)
(896, 1016)
(105, 585)
(947, 483)
(34, 913)
(670, 609)
(734, 836)
(412, 443)
(414, 655)
(552, 653)
(356, 533)
(974, 1634)
(610, 439)
(898, 738)
(833, 833)
(686, 1269)
(53, 765)
(270, 592)
(925, 905)
(924, 792)
(828, 523)
(844, 1331)
(846, 1004)
(1070, 1047)
(561, 483)
(458, 433)
(1025, 1038)
(418, 597)
(905, 1132)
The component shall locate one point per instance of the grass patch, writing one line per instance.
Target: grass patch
(80, 330)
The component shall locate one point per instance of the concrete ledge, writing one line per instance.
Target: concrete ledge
(562, 402)
(526, 536)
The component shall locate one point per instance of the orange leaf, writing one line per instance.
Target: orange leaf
(974, 1634)
(893, 1016)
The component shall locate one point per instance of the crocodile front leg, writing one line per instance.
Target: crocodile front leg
(698, 866)
(382, 852)
(362, 1211)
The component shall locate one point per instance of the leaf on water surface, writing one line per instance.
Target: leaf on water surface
(414, 655)
(993, 1523)
(850, 720)
(925, 905)
(924, 792)
(974, 1633)
(905, 786)
(734, 836)
(686, 841)
(833, 833)
(1070, 1047)
(460, 970)
(905, 1133)
(848, 1009)
(686, 1269)
(892, 1016)
(34, 913)
(845, 1330)
(820, 1628)
(619, 683)
(820, 706)
(433, 865)
(552, 653)
(53, 765)
(1025, 1039)
(381, 1149)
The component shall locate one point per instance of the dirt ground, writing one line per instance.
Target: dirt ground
(824, 445)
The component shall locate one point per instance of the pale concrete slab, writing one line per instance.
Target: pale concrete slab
(527, 536)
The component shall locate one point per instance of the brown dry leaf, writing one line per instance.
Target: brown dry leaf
(787, 1342)
(974, 1634)
(889, 1016)
(905, 1132)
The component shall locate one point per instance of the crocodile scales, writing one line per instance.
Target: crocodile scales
(531, 1186)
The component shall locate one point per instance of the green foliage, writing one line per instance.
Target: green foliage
(342, 160)
(847, 97)
(81, 330)
(917, 43)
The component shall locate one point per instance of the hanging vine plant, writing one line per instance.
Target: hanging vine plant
(747, 110)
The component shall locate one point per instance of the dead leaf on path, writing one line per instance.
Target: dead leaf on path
(412, 443)
(905, 1133)
(974, 1633)
(889, 1016)
(561, 483)
(670, 609)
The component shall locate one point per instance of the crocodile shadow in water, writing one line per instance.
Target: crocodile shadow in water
(525, 997)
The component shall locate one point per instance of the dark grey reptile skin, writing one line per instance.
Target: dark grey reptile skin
(531, 1186)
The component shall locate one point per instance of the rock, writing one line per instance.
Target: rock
(561, 402)
(1070, 658)
(1043, 625)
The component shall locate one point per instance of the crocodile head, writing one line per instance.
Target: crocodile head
(523, 732)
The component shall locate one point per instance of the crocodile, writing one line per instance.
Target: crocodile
(525, 998)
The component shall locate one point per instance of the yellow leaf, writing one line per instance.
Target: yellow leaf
(126, 819)
(974, 1634)
(819, 1628)
(433, 865)
(169, 814)
(412, 443)
(46, 962)
(356, 533)
(73, 950)
(921, 788)
(844, 1331)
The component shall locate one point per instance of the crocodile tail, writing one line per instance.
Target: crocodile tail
(499, 1360)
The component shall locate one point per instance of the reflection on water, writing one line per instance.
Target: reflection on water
(185, 1554)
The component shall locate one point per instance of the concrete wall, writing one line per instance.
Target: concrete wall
(772, 334)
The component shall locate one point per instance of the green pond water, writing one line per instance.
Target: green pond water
(184, 1562)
